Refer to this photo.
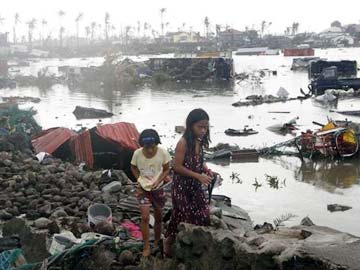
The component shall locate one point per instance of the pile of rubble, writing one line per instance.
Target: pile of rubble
(52, 188)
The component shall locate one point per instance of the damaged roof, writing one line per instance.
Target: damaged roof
(51, 139)
(122, 133)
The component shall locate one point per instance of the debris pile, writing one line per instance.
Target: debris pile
(333, 140)
(52, 187)
(255, 100)
(17, 126)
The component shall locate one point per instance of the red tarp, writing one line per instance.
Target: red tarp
(50, 140)
(124, 134)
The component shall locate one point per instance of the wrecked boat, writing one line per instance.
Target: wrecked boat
(240, 132)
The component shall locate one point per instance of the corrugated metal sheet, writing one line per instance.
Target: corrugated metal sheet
(82, 148)
(123, 133)
(50, 140)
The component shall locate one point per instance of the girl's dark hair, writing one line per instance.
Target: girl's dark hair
(195, 116)
(149, 137)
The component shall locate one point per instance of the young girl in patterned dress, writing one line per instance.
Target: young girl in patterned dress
(190, 173)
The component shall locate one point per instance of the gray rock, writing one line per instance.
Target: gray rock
(113, 187)
(218, 223)
(7, 162)
(58, 213)
(126, 258)
(42, 223)
(4, 215)
(217, 211)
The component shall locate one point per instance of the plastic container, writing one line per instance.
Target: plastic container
(98, 213)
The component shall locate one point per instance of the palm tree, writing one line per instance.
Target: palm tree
(61, 33)
(295, 28)
(287, 31)
(61, 14)
(145, 28)
(1, 20)
(31, 27)
(16, 22)
(87, 32)
(183, 26)
(107, 23)
(207, 24)
(77, 20)
(113, 31)
(138, 28)
(127, 32)
(264, 26)
(43, 24)
(93, 28)
(162, 11)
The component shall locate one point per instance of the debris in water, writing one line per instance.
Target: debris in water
(90, 113)
(337, 208)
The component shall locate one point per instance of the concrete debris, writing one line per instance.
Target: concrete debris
(90, 113)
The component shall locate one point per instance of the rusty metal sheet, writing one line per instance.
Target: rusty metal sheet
(51, 139)
(122, 133)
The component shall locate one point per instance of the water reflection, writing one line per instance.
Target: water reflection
(330, 174)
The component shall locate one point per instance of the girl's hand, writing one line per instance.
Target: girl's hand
(204, 179)
(210, 173)
(156, 184)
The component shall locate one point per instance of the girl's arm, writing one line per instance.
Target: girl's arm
(179, 167)
(135, 171)
(163, 175)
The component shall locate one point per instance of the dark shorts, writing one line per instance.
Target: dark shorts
(155, 198)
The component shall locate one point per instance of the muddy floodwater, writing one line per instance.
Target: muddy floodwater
(304, 190)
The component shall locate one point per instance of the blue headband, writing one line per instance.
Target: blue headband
(148, 140)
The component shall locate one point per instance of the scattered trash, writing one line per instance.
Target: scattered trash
(326, 98)
(282, 219)
(282, 93)
(235, 177)
(285, 128)
(338, 208)
(243, 132)
(255, 100)
(256, 184)
(179, 129)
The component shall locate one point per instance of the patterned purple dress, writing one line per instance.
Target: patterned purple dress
(188, 198)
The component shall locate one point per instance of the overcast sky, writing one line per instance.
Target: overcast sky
(313, 15)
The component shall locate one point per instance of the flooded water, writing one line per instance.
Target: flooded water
(305, 190)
